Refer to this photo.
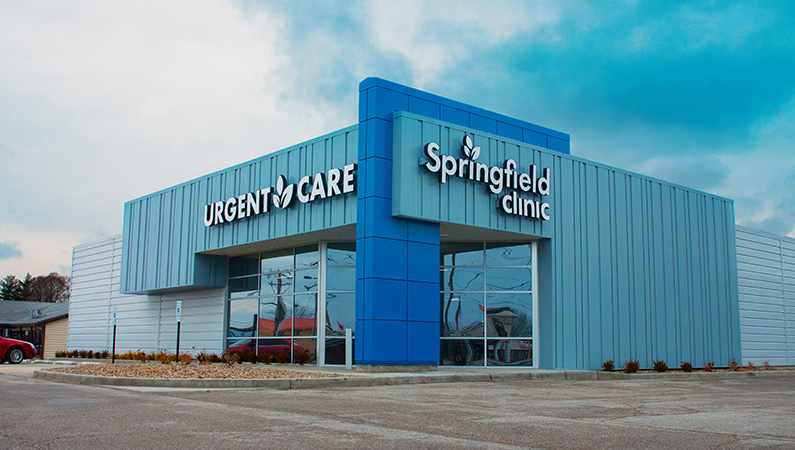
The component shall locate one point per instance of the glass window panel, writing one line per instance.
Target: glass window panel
(277, 260)
(277, 283)
(462, 314)
(509, 254)
(509, 352)
(341, 253)
(242, 317)
(304, 322)
(244, 287)
(462, 278)
(244, 265)
(275, 347)
(461, 253)
(305, 351)
(275, 315)
(462, 352)
(509, 315)
(341, 279)
(305, 280)
(509, 279)
(240, 345)
(340, 313)
(335, 351)
(306, 256)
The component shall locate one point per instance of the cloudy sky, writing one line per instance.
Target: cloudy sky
(102, 102)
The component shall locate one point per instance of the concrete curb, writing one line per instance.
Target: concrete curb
(391, 380)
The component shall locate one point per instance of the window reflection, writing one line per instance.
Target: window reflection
(341, 254)
(340, 313)
(242, 318)
(277, 283)
(461, 253)
(462, 278)
(462, 314)
(509, 279)
(462, 352)
(486, 292)
(510, 352)
(273, 301)
(509, 254)
(341, 279)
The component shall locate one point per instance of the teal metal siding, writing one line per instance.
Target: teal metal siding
(164, 233)
(630, 267)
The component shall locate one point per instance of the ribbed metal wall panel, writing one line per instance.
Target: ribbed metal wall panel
(766, 280)
(630, 267)
(144, 322)
(164, 231)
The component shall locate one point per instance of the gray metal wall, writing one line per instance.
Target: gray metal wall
(143, 322)
(766, 280)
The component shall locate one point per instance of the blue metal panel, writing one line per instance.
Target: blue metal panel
(384, 248)
(165, 235)
(640, 268)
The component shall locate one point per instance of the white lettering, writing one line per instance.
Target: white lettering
(303, 197)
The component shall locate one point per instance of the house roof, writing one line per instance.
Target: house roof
(18, 313)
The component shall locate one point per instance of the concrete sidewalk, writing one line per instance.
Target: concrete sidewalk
(350, 378)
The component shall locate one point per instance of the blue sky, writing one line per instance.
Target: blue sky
(102, 102)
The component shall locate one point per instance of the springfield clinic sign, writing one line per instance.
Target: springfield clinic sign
(497, 178)
(308, 189)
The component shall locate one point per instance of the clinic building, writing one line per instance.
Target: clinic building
(434, 233)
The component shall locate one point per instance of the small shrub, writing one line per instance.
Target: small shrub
(733, 366)
(631, 366)
(231, 358)
(660, 366)
(164, 357)
(752, 367)
(303, 356)
(105, 354)
(185, 359)
(249, 357)
(709, 367)
(282, 357)
(60, 354)
(767, 366)
(203, 357)
(608, 366)
(74, 353)
(90, 354)
(686, 366)
(140, 355)
(265, 357)
(215, 358)
(83, 353)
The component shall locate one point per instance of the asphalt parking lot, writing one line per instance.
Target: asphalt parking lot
(746, 412)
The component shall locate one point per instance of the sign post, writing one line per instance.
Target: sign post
(113, 352)
(179, 322)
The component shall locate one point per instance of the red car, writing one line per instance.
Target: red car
(15, 351)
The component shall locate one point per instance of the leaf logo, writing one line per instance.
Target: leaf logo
(284, 194)
(469, 151)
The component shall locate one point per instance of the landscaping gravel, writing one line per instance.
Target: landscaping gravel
(158, 370)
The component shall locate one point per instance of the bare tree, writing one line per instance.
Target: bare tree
(48, 288)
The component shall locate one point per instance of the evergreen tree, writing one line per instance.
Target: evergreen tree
(11, 288)
(26, 285)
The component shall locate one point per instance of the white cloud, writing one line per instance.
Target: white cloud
(435, 36)
(102, 102)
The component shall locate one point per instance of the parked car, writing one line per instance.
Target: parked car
(15, 351)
